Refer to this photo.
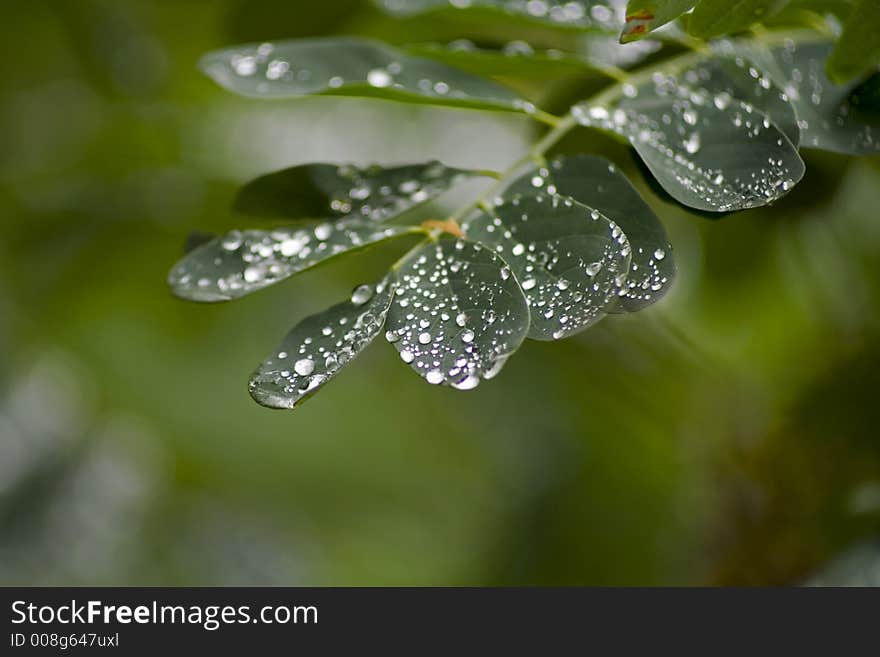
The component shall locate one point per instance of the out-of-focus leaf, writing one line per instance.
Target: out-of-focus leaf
(644, 16)
(712, 18)
(829, 116)
(570, 260)
(244, 261)
(709, 151)
(350, 66)
(515, 59)
(377, 193)
(457, 314)
(858, 49)
(319, 346)
(577, 14)
(597, 183)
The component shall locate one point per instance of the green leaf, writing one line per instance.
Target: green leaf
(644, 16)
(570, 260)
(457, 314)
(376, 193)
(319, 346)
(516, 59)
(739, 78)
(350, 66)
(829, 115)
(713, 18)
(597, 183)
(858, 48)
(576, 14)
(709, 151)
(244, 261)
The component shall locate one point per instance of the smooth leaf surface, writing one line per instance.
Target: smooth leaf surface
(457, 313)
(644, 16)
(376, 193)
(713, 18)
(709, 151)
(570, 260)
(577, 14)
(514, 59)
(858, 48)
(320, 346)
(349, 66)
(829, 115)
(597, 183)
(244, 261)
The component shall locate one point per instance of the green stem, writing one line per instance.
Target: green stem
(536, 153)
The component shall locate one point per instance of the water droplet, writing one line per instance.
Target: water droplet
(379, 78)
(434, 377)
(361, 294)
(304, 366)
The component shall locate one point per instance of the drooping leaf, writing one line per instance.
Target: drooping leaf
(244, 261)
(350, 66)
(319, 346)
(738, 78)
(858, 49)
(577, 14)
(829, 115)
(713, 18)
(597, 183)
(644, 16)
(457, 313)
(709, 151)
(570, 260)
(376, 193)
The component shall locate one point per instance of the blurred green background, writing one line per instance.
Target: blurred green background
(727, 435)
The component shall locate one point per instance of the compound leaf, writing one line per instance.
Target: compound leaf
(644, 16)
(375, 192)
(457, 313)
(570, 260)
(244, 261)
(709, 150)
(319, 346)
(350, 66)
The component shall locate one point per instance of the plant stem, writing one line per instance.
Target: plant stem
(562, 126)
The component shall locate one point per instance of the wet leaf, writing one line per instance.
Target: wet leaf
(597, 183)
(858, 49)
(349, 66)
(739, 78)
(569, 259)
(709, 151)
(644, 16)
(829, 115)
(377, 193)
(713, 18)
(320, 346)
(244, 261)
(457, 313)
(576, 14)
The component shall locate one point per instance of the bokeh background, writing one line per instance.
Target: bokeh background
(727, 435)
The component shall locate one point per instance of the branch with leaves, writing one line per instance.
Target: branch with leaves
(555, 244)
